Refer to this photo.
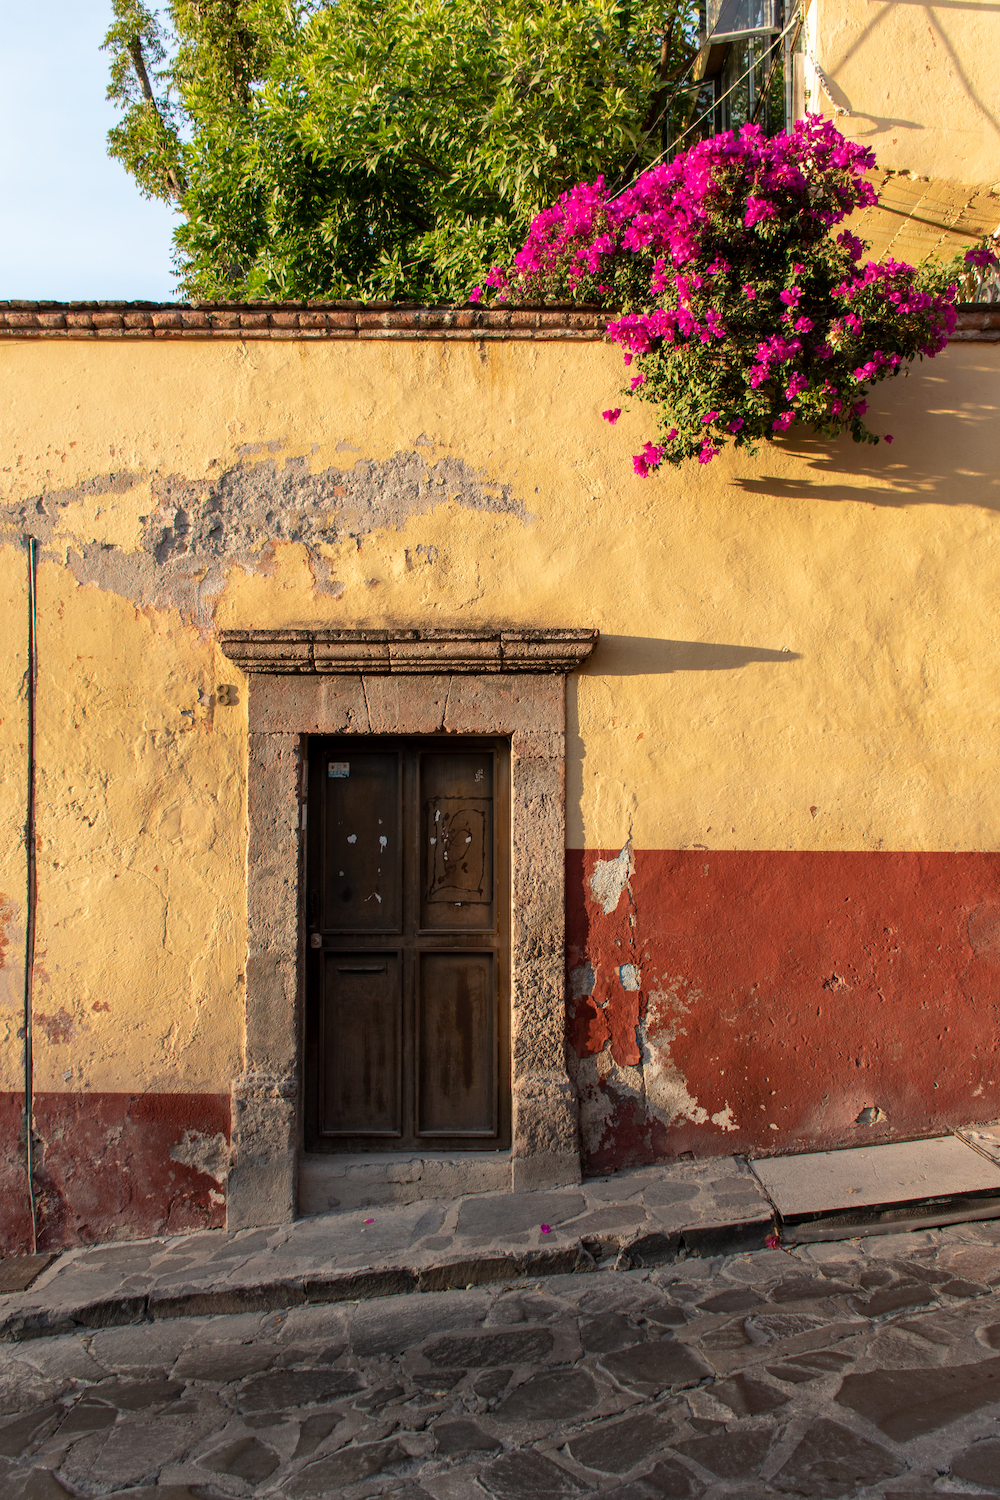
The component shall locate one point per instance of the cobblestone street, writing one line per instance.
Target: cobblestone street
(860, 1368)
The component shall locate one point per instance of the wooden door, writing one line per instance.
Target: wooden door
(407, 912)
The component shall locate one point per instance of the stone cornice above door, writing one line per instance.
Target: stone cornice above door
(407, 652)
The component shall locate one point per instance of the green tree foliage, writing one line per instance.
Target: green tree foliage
(362, 149)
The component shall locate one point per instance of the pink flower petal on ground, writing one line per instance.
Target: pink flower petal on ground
(772, 1242)
(369, 1221)
(612, 416)
(546, 1228)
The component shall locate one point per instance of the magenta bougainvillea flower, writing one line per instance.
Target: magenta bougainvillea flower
(727, 287)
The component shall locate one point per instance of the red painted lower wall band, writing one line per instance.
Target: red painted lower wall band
(773, 1001)
(719, 1002)
(113, 1167)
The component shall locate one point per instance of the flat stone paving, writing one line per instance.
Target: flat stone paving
(864, 1368)
(900, 1172)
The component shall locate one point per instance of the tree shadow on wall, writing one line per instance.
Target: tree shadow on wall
(952, 457)
(643, 655)
(861, 41)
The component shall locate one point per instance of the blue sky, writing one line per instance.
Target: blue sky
(75, 226)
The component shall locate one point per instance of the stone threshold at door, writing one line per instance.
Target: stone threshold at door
(365, 1180)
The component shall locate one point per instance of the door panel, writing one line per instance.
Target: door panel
(457, 886)
(407, 958)
(361, 876)
(456, 1042)
(361, 1044)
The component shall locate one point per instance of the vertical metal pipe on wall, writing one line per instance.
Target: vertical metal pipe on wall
(31, 881)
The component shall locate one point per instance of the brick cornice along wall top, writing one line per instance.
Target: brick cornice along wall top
(978, 323)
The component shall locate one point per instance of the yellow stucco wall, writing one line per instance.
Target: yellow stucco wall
(919, 82)
(798, 651)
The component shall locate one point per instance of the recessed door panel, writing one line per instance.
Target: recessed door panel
(456, 1042)
(362, 874)
(456, 792)
(361, 1044)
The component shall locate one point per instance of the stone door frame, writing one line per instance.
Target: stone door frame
(503, 683)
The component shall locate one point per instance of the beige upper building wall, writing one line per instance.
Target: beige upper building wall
(795, 649)
(921, 83)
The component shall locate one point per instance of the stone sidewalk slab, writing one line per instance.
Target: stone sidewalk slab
(984, 1138)
(18, 1272)
(907, 1171)
(642, 1217)
(828, 1194)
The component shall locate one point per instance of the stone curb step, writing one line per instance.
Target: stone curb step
(389, 1281)
(834, 1195)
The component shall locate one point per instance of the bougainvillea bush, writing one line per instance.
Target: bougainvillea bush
(740, 308)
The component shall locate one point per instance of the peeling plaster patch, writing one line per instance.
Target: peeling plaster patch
(630, 976)
(59, 1029)
(582, 980)
(7, 914)
(322, 576)
(610, 878)
(101, 484)
(598, 1103)
(666, 1090)
(198, 529)
(667, 1093)
(208, 1154)
(251, 450)
(984, 932)
(656, 1085)
(11, 965)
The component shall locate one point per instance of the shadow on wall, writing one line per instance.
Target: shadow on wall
(949, 458)
(643, 655)
(936, 21)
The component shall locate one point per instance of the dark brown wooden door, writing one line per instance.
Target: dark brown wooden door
(407, 914)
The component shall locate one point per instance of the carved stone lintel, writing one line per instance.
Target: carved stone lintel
(407, 652)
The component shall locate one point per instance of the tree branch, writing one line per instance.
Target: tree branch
(173, 181)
